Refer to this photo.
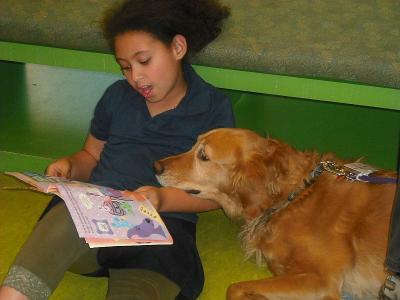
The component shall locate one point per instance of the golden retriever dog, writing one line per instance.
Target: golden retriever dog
(321, 233)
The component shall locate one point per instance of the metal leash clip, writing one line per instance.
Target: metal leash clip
(333, 168)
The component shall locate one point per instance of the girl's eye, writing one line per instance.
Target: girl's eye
(202, 155)
(144, 61)
(126, 69)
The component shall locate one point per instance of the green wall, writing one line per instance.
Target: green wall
(347, 130)
(45, 112)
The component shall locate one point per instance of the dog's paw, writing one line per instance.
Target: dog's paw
(238, 291)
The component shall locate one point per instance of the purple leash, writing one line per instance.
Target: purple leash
(375, 179)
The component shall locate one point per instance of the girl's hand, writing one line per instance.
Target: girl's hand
(60, 168)
(151, 193)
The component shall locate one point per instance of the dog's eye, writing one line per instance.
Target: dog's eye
(202, 155)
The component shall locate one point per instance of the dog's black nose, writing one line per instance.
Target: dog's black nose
(158, 167)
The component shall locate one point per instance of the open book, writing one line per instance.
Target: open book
(102, 216)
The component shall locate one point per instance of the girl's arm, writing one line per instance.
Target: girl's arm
(78, 166)
(169, 199)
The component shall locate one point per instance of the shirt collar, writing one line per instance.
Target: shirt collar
(197, 98)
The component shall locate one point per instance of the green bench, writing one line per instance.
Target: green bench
(322, 75)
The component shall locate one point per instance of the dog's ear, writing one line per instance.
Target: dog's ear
(264, 163)
(249, 185)
(257, 178)
(275, 164)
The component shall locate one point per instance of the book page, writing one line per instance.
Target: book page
(103, 213)
(41, 182)
(102, 216)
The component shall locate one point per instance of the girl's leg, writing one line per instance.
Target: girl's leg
(49, 251)
(139, 284)
(8, 293)
(179, 262)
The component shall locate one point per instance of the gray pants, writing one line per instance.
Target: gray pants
(391, 288)
(54, 247)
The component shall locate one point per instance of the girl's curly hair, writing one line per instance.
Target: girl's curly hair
(199, 21)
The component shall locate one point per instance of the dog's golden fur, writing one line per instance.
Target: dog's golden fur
(331, 238)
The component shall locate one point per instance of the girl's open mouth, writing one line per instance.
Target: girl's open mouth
(145, 91)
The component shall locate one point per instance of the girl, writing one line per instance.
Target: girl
(157, 111)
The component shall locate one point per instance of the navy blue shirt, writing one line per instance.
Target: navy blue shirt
(135, 139)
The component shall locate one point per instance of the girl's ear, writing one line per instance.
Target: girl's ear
(179, 46)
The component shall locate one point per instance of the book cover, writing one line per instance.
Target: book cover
(102, 215)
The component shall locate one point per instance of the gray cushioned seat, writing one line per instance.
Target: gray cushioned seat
(343, 40)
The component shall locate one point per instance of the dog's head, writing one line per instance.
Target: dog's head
(235, 167)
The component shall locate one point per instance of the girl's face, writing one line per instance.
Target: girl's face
(152, 68)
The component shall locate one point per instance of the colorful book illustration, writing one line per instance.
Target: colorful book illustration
(102, 215)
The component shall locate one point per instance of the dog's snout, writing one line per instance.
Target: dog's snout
(158, 167)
